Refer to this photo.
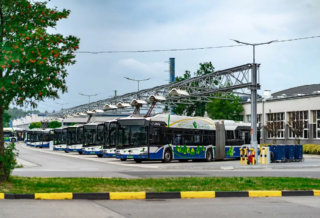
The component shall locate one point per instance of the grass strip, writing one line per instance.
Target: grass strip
(30, 185)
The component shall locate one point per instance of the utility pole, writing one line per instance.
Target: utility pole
(254, 87)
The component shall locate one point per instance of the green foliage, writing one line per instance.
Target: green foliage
(198, 108)
(72, 124)
(311, 149)
(225, 109)
(33, 61)
(35, 125)
(6, 119)
(54, 124)
(8, 160)
(17, 113)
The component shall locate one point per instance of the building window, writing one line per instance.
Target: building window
(315, 124)
(279, 119)
(248, 118)
(303, 117)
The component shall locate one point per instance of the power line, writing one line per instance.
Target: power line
(186, 49)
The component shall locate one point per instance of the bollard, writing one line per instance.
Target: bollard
(245, 156)
(265, 156)
(253, 156)
(261, 158)
(241, 156)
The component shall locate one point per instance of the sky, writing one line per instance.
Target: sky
(104, 25)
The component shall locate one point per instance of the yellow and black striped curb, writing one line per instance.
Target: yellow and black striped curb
(157, 195)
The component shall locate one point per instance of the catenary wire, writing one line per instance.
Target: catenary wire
(187, 49)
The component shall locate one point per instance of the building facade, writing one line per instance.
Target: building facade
(283, 106)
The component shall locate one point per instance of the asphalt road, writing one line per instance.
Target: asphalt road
(291, 207)
(44, 163)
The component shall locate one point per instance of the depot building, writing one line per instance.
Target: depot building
(283, 105)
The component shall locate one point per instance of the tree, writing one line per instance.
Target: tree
(273, 127)
(225, 109)
(6, 119)
(32, 61)
(198, 108)
(54, 124)
(35, 125)
(296, 124)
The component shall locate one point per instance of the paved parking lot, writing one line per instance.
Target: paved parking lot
(43, 162)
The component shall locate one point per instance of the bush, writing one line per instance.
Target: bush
(9, 159)
(311, 149)
(54, 124)
(35, 125)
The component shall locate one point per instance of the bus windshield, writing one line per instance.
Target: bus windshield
(93, 135)
(8, 134)
(72, 136)
(111, 134)
(132, 135)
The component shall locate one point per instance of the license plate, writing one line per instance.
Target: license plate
(60, 149)
(74, 150)
(129, 156)
(92, 152)
(113, 155)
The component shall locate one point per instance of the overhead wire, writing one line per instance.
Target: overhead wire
(186, 49)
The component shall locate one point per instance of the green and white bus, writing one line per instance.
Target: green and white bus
(166, 138)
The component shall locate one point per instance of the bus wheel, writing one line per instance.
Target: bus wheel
(13, 140)
(138, 161)
(209, 155)
(167, 156)
(100, 155)
(80, 152)
(123, 159)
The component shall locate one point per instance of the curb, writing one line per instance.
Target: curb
(158, 195)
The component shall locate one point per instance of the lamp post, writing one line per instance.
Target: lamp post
(254, 87)
(62, 104)
(89, 95)
(137, 80)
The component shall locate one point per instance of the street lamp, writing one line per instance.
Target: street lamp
(89, 95)
(62, 104)
(253, 87)
(137, 80)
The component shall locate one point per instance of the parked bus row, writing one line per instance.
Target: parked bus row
(162, 137)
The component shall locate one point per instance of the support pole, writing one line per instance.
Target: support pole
(254, 85)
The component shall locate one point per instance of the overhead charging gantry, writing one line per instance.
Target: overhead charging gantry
(241, 80)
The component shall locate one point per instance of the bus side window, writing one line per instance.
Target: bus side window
(197, 137)
(167, 136)
(230, 135)
(155, 136)
(188, 137)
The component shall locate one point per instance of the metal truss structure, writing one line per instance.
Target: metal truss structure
(219, 84)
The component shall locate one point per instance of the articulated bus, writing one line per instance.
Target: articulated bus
(164, 137)
(60, 139)
(75, 138)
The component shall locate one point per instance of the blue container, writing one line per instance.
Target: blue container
(289, 152)
(279, 152)
(298, 152)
